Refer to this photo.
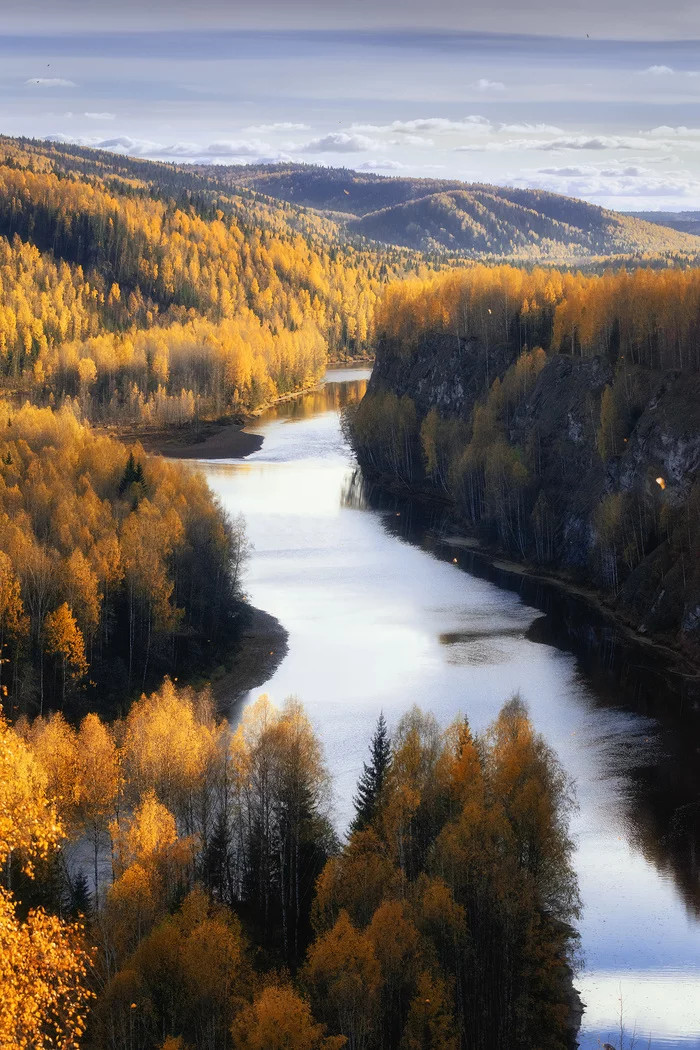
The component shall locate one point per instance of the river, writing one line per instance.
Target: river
(380, 617)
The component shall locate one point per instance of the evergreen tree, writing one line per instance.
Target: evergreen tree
(369, 785)
(79, 896)
(217, 859)
(133, 475)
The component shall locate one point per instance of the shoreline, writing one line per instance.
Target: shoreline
(263, 646)
(212, 440)
(224, 438)
(682, 663)
(570, 588)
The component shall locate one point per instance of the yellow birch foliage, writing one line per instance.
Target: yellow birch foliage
(54, 745)
(28, 820)
(431, 1024)
(64, 638)
(280, 1019)
(12, 616)
(98, 765)
(43, 965)
(345, 977)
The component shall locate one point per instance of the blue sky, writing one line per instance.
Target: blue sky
(602, 105)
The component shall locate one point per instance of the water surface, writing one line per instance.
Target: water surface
(377, 624)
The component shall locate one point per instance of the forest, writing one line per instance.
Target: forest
(153, 308)
(458, 220)
(170, 882)
(115, 567)
(557, 412)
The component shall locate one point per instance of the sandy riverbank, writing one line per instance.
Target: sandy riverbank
(216, 440)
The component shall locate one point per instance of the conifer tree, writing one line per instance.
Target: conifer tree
(217, 859)
(370, 783)
(79, 897)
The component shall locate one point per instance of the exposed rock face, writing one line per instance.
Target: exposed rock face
(557, 427)
(447, 374)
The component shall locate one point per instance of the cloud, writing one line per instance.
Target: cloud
(100, 116)
(540, 129)
(411, 140)
(667, 71)
(613, 181)
(592, 142)
(283, 125)
(488, 85)
(582, 170)
(642, 141)
(51, 82)
(230, 150)
(664, 131)
(434, 124)
(339, 142)
(381, 165)
(237, 148)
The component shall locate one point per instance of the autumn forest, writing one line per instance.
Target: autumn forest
(173, 875)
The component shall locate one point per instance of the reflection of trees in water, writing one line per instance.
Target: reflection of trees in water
(661, 808)
(331, 397)
(665, 824)
(352, 493)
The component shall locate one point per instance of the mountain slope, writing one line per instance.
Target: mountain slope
(424, 215)
(156, 296)
(683, 221)
(472, 220)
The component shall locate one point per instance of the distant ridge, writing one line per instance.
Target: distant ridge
(683, 221)
(435, 216)
(473, 220)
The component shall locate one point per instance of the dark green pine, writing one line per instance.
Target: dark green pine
(370, 784)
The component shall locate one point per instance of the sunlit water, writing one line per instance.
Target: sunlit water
(377, 624)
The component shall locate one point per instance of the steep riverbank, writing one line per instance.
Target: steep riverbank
(582, 470)
(543, 587)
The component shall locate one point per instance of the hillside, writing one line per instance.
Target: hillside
(558, 413)
(471, 220)
(340, 207)
(683, 221)
(153, 296)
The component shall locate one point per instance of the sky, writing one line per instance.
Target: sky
(597, 100)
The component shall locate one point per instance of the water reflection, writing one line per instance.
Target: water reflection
(662, 768)
(379, 617)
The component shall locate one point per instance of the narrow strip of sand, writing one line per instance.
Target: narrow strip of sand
(208, 441)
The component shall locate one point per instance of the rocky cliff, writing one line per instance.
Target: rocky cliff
(587, 466)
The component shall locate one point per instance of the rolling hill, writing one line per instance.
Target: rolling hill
(683, 221)
(433, 216)
(471, 220)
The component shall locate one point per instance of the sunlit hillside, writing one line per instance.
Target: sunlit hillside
(150, 296)
(473, 220)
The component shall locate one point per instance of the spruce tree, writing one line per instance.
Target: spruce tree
(217, 857)
(369, 785)
(133, 475)
(79, 896)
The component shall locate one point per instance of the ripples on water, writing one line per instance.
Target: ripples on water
(378, 623)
